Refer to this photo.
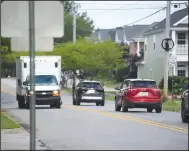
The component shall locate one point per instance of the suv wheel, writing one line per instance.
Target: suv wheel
(158, 110)
(149, 109)
(97, 104)
(184, 117)
(117, 107)
(124, 107)
(73, 99)
(78, 102)
(102, 103)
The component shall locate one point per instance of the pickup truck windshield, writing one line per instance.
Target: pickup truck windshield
(45, 80)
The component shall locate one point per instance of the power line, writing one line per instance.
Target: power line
(116, 4)
(116, 9)
(146, 16)
(131, 22)
(104, 12)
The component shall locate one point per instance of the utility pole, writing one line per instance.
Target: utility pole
(74, 25)
(167, 34)
(0, 61)
(31, 5)
(74, 39)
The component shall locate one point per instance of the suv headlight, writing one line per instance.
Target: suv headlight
(56, 93)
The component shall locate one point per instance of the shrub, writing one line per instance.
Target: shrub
(176, 80)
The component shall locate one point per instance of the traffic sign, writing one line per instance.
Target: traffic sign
(49, 23)
(167, 44)
(173, 61)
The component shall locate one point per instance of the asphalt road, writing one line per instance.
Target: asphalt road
(91, 127)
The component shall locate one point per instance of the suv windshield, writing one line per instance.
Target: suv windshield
(144, 84)
(90, 85)
(45, 80)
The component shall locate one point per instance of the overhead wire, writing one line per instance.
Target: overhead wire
(131, 22)
(123, 9)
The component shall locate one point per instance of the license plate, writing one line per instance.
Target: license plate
(90, 91)
(143, 94)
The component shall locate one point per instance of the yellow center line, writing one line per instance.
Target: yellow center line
(179, 129)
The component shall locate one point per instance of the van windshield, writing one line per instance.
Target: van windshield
(144, 84)
(45, 80)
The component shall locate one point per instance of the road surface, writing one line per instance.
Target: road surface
(94, 127)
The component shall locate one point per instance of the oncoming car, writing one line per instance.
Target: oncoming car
(89, 92)
(138, 93)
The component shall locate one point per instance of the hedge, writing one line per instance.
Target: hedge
(176, 79)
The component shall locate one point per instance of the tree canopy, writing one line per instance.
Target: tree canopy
(89, 56)
(83, 22)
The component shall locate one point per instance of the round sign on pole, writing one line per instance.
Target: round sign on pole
(167, 44)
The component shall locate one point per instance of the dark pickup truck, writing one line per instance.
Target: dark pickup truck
(184, 107)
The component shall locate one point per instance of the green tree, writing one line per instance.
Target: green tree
(83, 22)
(87, 56)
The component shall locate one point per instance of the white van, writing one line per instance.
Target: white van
(47, 81)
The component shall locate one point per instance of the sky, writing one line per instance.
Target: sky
(112, 14)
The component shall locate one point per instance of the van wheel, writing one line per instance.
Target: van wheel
(27, 106)
(58, 105)
(21, 103)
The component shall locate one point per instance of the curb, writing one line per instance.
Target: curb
(26, 128)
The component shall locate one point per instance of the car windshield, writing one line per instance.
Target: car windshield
(90, 85)
(144, 84)
(45, 80)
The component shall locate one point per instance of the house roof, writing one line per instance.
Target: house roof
(104, 34)
(175, 17)
(140, 35)
(133, 31)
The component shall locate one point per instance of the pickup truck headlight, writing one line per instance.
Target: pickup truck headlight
(56, 93)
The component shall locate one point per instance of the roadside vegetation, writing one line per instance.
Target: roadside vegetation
(7, 123)
(170, 105)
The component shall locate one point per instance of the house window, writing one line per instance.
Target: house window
(181, 65)
(181, 73)
(181, 38)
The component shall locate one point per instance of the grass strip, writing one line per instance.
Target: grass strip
(8, 123)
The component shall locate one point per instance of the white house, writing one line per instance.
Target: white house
(152, 66)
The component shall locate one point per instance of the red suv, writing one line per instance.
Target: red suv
(138, 93)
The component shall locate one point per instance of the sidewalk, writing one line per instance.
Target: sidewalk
(18, 139)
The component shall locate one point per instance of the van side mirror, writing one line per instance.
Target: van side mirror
(19, 82)
(25, 83)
